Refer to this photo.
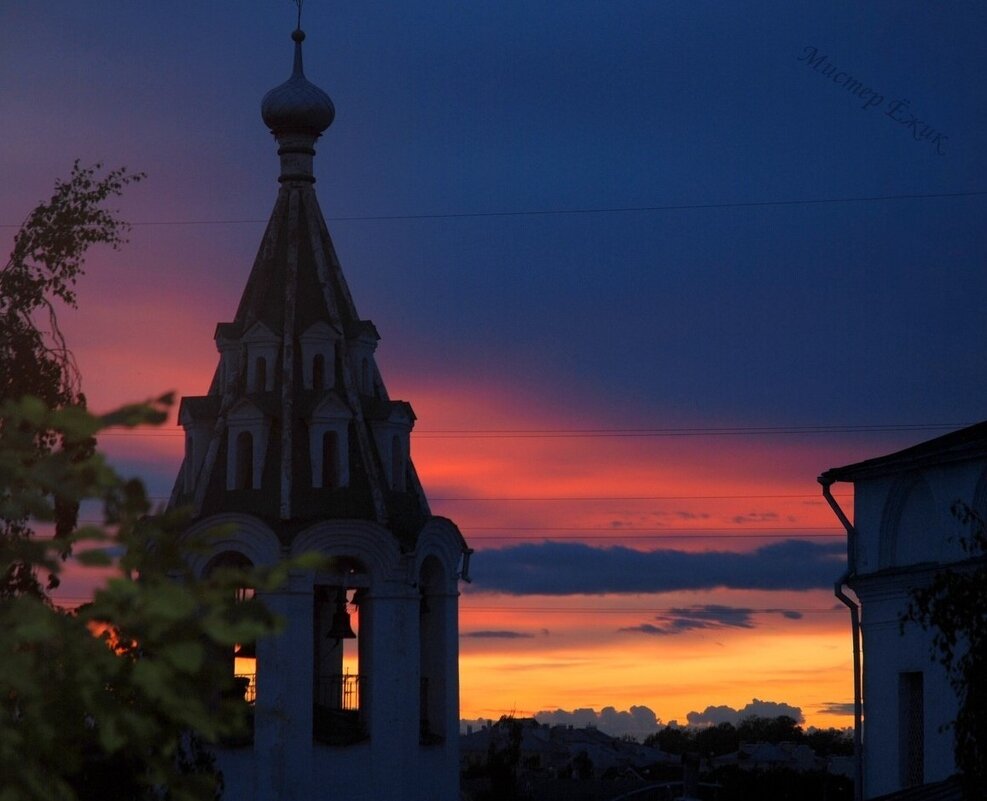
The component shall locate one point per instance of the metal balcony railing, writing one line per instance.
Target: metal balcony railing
(336, 718)
(248, 683)
(339, 691)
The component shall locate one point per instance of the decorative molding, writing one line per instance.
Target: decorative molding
(368, 542)
(240, 533)
(441, 538)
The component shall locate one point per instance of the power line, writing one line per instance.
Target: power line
(69, 600)
(673, 432)
(815, 496)
(577, 433)
(602, 498)
(627, 537)
(637, 532)
(577, 535)
(564, 212)
(685, 531)
(638, 610)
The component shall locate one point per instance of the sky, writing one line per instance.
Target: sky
(643, 269)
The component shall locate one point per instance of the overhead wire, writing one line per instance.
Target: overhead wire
(569, 610)
(577, 211)
(431, 497)
(639, 610)
(626, 537)
(646, 528)
(578, 534)
(576, 433)
(611, 534)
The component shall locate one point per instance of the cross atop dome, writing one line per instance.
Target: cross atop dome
(298, 112)
(297, 376)
(297, 447)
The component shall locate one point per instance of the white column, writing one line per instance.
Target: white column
(394, 691)
(283, 726)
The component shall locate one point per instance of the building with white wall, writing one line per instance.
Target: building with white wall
(297, 447)
(903, 530)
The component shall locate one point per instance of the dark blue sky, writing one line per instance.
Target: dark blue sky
(861, 312)
(722, 299)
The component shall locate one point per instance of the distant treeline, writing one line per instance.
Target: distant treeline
(726, 738)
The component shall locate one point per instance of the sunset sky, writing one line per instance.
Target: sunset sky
(641, 269)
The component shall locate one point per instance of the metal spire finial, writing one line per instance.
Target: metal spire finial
(297, 107)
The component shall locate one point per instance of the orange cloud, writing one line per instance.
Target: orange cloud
(541, 652)
(577, 657)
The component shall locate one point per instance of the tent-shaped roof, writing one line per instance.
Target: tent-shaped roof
(295, 294)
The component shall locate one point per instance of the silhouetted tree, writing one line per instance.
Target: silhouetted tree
(952, 607)
(757, 729)
(830, 742)
(47, 258)
(115, 699)
(503, 760)
(107, 695)
(672, 740)
(717, 740)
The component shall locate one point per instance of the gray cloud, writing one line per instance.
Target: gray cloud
(709, 616)
(497, 635)
(715, 615)
(570, 568)
(648, 628)
(755, 517)
(660, 517)
(714, 715)
(639, 721)
(837, 708)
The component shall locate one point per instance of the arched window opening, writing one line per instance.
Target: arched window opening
(330, 460)
(260, 374)
(244, 460)
(911, 729)
(318, 372)
(909, 514)
(397, 464)
(433, 644)
(340, 640)
(243, 656)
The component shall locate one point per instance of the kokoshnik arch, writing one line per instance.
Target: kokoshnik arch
(297, 448)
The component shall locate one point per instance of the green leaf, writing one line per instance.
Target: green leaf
(184, 656)
(94, 558)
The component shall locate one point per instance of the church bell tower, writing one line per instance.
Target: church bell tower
(296, 448)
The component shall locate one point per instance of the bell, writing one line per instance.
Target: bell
(341, 628)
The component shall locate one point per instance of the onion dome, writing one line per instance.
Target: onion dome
(297, 106)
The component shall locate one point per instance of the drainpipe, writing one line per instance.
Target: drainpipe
(465, 572)
(851, 532)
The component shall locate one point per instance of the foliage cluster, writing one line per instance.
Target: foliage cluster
(952, 607)
(503, 761)
(105, 698)
(117, 698)
(725, 738)
(47, 259)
